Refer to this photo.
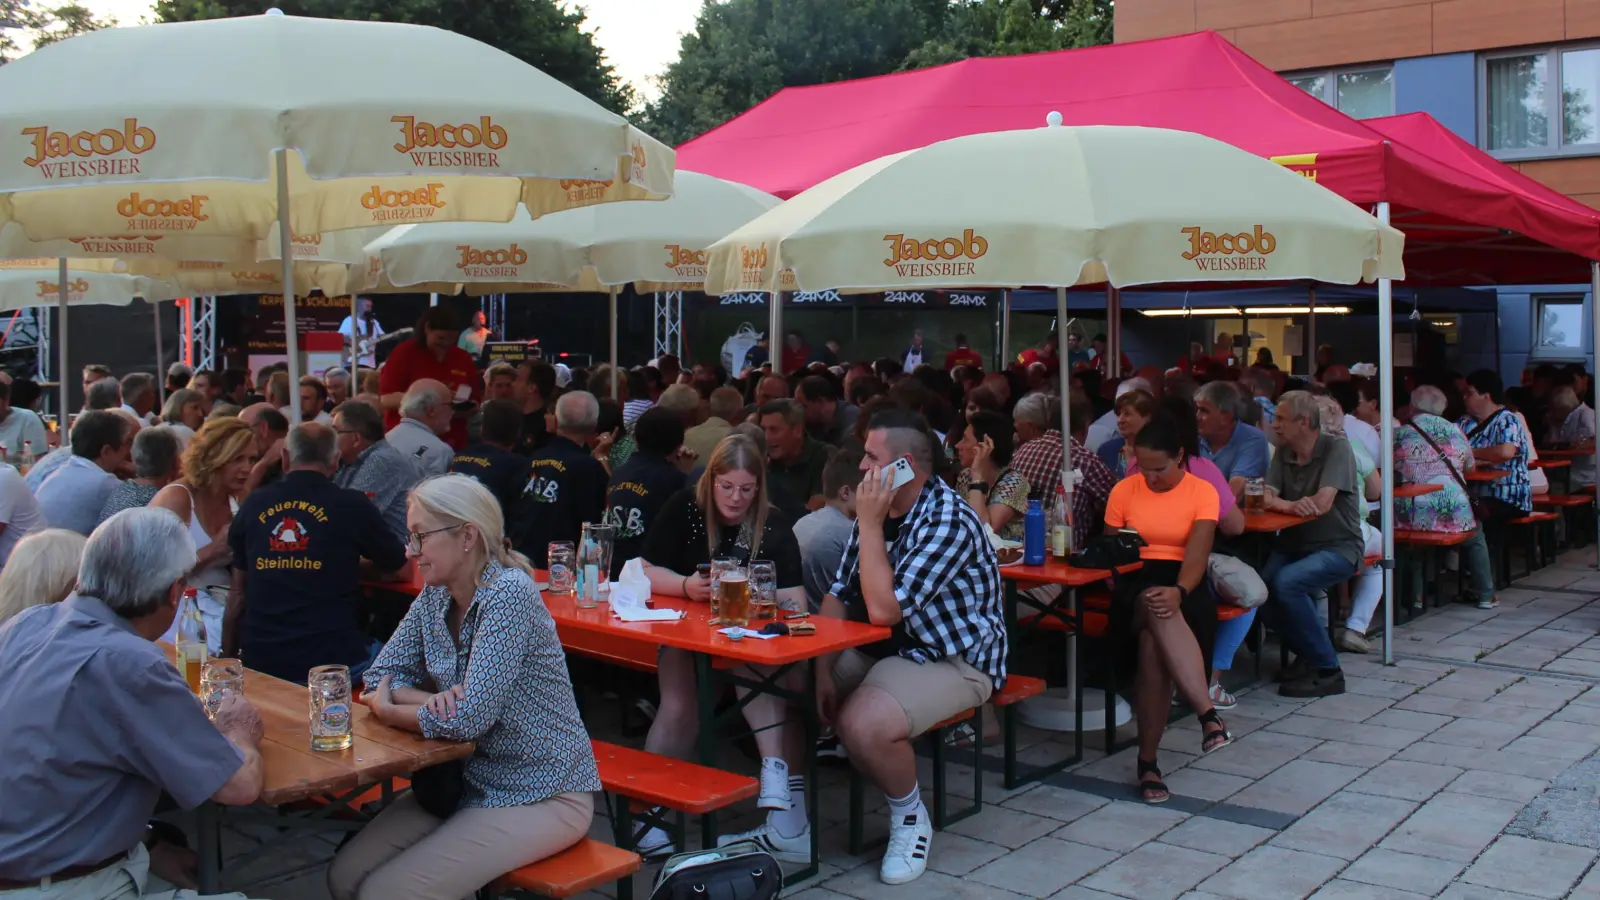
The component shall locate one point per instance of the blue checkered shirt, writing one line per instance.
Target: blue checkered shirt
(1503, 428)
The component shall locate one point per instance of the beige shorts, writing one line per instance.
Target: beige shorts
(928, 692)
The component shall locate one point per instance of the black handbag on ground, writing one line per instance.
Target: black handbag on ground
(438, 788)
(1109, 551)
(740, 871)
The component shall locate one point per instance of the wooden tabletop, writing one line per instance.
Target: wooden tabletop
(295, 772)
(1482, 475)
(1056, 572)
(1568, 453)
(1408, 491)
(1267, 522)
(695, 633)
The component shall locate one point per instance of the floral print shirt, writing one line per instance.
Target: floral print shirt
(1010, 489)
(1416, 462)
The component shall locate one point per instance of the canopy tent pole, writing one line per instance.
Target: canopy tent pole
(1114, 334)
(1067, 474)
(611, 294)
(1386, 440)
(1004, 357)
(61, 347)
(161, 372)
(1594, 322)
(1311, 332)
(775, 334)
(291, 335)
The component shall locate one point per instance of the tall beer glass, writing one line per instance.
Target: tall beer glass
(733, 597)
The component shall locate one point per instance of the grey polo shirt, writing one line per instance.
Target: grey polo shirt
(74, 494)
(822, 536)
(386, 477)
(1332, 464)
(97, 723)
(418, 443)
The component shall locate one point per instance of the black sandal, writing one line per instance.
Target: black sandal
(1216, 738)
(1155, 786)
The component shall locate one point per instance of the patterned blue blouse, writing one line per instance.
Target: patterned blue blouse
(1502, 428)
(519, 708)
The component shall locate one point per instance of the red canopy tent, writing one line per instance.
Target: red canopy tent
(1468, 219)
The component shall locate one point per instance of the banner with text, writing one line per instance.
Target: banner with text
(923, 299)
(264, 332)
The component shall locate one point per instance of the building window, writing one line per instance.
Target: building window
(1559, 325)
(1525, 115)
(1358, 93)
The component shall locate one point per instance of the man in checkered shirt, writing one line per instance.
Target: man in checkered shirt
(919, 561)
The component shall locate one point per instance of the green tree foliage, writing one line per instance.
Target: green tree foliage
(743, 51)
(542, 33)
(23, 24)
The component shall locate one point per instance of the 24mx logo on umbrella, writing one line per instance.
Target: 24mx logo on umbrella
(417, 138)
(155, 214)
(404, 206)
(913, 258)
(119, 149)
(502, 262)
(1242, 252)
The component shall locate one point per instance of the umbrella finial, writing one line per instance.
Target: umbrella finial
(274, 11)
(1053, 119)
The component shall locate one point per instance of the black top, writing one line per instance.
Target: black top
(677, 541)
(534, 435)
(301, 542)
(638, 490)
(503, 473)
(566, 487)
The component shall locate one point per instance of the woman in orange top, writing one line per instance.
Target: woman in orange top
(1167, 602)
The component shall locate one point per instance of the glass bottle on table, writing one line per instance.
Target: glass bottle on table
(27, 460)
(191, 639)
(1060, 526)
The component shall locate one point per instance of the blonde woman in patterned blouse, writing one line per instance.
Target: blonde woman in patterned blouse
(475, 659)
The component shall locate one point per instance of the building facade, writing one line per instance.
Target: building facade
(1518, 78)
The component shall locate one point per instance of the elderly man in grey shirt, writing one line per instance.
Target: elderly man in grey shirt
(425, 414)
(72, 496)
(368, 463)
(102, 724)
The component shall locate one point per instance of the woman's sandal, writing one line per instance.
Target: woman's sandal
(1155, 790)
(1213, 738)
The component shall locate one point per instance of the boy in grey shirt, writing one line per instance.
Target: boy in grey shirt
(823, 534)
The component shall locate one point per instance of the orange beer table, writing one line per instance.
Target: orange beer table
(1412, 491)
(1486, 475)
(294, 772)
(1269, 522)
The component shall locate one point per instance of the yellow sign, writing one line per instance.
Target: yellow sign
(1300, 163)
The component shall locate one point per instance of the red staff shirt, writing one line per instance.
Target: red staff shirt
(411, 361)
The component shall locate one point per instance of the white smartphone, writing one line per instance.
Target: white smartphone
(899, 472)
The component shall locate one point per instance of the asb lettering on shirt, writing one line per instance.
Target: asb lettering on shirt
(85, 154)
(464, 146)
(1244, 251)
(404, 206)
(914, 258)
(542, 488)
(628, 520)
(495, 262)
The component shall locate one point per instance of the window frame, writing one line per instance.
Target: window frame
(1539, 352)
(1330, 87)
(1555, 116)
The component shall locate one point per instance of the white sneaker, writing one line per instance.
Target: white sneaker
(795, 849)
(907, 856)
(654, 844)
(774, 784)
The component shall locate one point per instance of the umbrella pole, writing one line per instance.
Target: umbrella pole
(161, 377)
(291, 337)
(775, 334)
(355, 345)
(1311, 332)
(61, 347)
(1386, 440)
(1005, 331)
(611, 292)
(1069, 475)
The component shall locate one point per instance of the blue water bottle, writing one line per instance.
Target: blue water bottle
(1033, 534)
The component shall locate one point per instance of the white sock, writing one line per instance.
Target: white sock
(910, 804)
(791, 822)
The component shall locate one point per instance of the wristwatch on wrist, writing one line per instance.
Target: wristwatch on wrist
(982, 486)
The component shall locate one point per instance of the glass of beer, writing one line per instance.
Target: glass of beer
(560, 557)
(1255, 495)
(329, 687)
(764, 588)
(733, 597)
(718, 566)
(191, 639)
(222, 678)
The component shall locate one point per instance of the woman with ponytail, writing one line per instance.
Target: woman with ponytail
(475, 659)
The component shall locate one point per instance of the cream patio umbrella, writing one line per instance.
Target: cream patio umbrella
(1058, 207)
(187, 128)
(653, 246)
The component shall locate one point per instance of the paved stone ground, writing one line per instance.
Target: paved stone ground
(1464, 772)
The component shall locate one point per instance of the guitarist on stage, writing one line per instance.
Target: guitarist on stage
(364, 330)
